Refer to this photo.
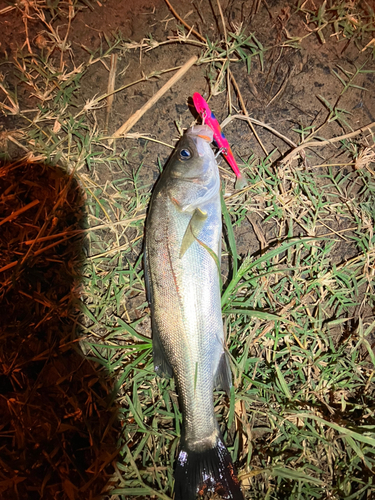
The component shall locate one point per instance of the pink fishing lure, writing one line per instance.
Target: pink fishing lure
(209, 118)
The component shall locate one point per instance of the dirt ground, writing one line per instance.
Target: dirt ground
(284, 92)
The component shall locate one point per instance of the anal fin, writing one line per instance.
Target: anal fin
(161, 365)
(223, 375)
(195, 225)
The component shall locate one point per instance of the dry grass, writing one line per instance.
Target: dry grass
(82, 411)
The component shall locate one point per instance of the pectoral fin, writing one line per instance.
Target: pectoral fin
(191, 234)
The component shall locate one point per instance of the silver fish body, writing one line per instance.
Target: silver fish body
(182, 268)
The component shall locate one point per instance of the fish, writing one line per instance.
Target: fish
(210, 119)
(182, 256)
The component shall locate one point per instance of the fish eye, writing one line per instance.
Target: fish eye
(185, 154)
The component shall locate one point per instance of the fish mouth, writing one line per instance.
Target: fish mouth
(196, 134)
(205, 137)
(203, 131)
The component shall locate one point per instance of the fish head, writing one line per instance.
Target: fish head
(193, 155)
(194, 169)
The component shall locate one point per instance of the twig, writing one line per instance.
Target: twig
(312, 144)
(283, 86)
(19, 211)
(17, 143)
(258, 231)
(25, 16)
(111, 87)
(185, 24)
(261, 124)
(7, 9)
(371, 42)
(64, 42)
(227, 50)
(138, 114)
(332, 165)
(138, 135)
(244, 111)
(95, 101)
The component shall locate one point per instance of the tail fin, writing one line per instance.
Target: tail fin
(210, 470)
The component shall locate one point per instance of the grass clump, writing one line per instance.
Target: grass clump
(299, 310)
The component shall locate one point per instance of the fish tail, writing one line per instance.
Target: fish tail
(211, 470)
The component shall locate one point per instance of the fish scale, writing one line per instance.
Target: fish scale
(185, 296)
(183, 231)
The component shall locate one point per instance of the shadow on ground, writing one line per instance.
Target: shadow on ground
(57, 432)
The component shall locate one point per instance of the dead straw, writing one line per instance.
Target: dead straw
(138, 114)
(111, 87)
(311, 144)
(229, 73)
(244, 110)
(191, 30)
